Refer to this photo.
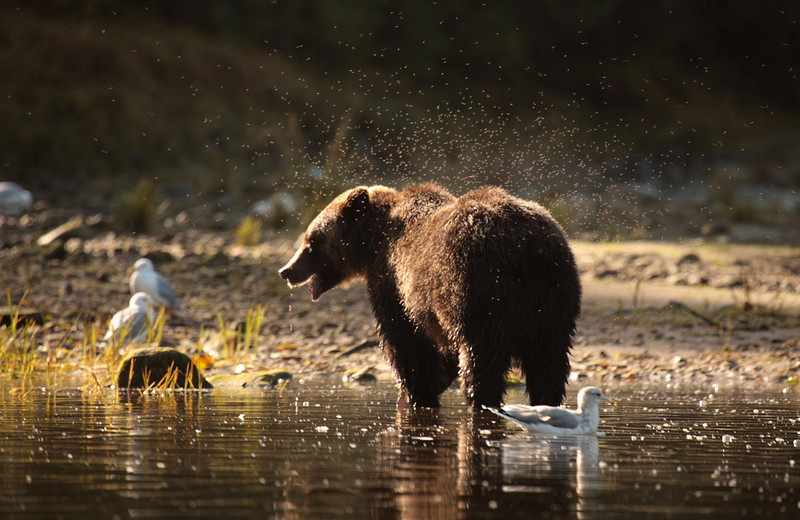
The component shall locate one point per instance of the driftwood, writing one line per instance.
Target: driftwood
(694, 313)
(369, 343)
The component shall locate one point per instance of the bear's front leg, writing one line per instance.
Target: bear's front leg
(422, 370)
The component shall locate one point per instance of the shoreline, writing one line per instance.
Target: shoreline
(663, 311)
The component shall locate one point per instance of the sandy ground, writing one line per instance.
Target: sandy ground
(653, 311)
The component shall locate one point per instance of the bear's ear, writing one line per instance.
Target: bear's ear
(356, 204)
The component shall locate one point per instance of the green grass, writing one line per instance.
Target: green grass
(238, 341)
(28, 359)
(24, 364)
(170, 381)
(18, 357)
(249, 231)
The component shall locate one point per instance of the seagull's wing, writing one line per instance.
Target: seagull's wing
(137, 326)
(167, 293)
(561, 418)
(114, 324)
(117, 320)
(523, 413)
(129, 324)
(550, 415)
(502, 413)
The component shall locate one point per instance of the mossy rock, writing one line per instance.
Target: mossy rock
(159, 368)
(23, 317)
(260, 379)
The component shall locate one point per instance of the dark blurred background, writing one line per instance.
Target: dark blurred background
(625, 118)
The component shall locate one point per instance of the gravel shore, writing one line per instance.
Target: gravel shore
(652, 311)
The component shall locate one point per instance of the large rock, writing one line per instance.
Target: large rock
(159, 368)
(20, 317)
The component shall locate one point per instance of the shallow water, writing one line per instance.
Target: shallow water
(316, 451)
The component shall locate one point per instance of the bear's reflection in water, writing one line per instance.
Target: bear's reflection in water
(442, 470)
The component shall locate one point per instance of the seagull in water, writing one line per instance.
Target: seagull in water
(131, 323)
(558, 420)
(144, 278)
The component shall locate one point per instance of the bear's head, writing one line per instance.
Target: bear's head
(332, 250)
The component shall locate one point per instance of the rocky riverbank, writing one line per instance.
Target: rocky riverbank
(652, 310)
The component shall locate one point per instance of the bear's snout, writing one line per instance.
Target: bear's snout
(298, 273)
(291, 274)
(285, 272)
(298, 269)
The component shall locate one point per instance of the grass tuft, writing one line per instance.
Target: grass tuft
(239, 340)
(249, 231)
(137, 210)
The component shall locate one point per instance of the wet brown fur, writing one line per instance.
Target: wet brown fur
(459, 286)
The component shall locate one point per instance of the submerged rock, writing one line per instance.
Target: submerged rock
(260, 379)
(360, 375)
(161, 368)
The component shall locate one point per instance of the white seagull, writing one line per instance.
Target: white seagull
(556, 420)
(144, 278)
(14, 199)
(131, 323)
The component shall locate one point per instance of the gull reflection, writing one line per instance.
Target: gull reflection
(531, 460)
(440, 465)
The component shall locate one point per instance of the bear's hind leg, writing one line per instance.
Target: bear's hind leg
(484, 362)
(546, 369)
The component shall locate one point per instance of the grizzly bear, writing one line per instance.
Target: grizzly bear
(466, 286)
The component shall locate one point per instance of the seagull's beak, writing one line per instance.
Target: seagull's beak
(130, 270)
(609, 401)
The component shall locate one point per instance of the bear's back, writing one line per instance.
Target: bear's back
(488, 221)
(484, 249)
(418, 202)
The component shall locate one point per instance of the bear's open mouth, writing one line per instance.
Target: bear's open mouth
(315, 284)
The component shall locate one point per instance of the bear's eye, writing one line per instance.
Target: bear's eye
(313, 242)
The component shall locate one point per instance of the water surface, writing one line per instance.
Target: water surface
(317, 450)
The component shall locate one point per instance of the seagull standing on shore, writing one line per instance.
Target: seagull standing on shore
(556, 420)
(144, 278)
(14, 199)
(131, 323)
